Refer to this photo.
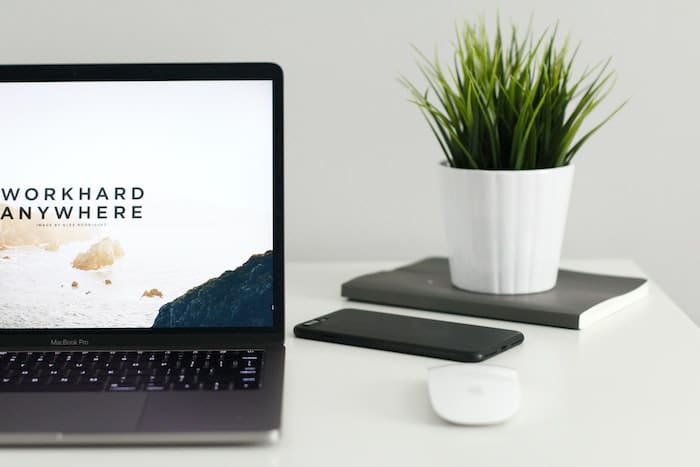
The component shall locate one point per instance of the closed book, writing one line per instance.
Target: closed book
(577, 300)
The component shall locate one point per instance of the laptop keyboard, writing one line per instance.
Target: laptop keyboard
(130, 371)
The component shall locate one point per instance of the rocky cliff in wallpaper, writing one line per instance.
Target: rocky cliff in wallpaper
(101, 254)
(242, 297)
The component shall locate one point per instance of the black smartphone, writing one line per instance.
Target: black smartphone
(406, 334)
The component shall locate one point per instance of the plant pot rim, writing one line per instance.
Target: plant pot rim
(445, 165)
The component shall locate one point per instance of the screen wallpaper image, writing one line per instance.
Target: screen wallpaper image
(136, 204)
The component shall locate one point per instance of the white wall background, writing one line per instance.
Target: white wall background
(361, 179)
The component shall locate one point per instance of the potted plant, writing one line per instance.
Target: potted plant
(506, 114)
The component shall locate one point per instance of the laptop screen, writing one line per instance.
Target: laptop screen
(136, 204)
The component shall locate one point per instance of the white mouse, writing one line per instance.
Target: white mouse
(474, 394)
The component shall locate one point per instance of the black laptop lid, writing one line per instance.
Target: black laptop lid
(140, 204)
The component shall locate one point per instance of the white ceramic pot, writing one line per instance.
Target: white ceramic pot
(505, 228)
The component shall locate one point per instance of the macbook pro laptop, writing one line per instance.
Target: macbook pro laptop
(141, 253)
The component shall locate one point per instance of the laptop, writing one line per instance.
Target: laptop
(141, 253)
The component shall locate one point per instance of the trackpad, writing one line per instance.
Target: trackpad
(205, 411)
(77, 412)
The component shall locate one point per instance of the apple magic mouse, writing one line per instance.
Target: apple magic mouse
(474, 394)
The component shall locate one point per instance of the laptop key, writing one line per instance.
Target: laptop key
(92, 380)
(252, 385)
(216, 386)
(155, 387)
(8, 385)
(185, 386)
(123, 387)
(156, 380)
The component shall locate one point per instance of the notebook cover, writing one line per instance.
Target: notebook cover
(426, 285)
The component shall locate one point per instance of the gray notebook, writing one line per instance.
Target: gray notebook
(578, 300)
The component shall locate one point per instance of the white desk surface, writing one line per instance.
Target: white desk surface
(624, 392)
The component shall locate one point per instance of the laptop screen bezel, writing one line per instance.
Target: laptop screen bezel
(211, 337)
